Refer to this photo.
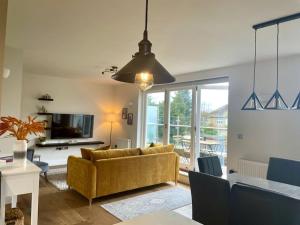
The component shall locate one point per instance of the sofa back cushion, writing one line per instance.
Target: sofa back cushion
(159, 149)
(86, 152)
(114, 153)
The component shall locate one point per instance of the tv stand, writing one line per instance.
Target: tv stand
(47, 145)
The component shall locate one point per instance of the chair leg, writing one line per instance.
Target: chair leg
(46, 177)
(90, 202)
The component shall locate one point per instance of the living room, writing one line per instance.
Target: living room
(100, 144)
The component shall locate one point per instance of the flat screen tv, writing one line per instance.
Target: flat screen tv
(68, 126)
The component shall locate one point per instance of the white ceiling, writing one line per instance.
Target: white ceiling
(79, 38)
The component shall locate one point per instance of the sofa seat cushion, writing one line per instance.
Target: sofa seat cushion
(86, 152)
(114, 153)
(159, 149)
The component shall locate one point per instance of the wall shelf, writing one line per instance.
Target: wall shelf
(45, 113)
(69, 144)
(46, 99)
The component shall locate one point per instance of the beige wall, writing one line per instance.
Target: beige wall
(265, 133)
(126, 96)
(12, 86)
(3, 15)
(70, 96)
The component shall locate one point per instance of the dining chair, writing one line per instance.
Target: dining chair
(210, 165)
(284, 171)
(250, 205)
(210, 199)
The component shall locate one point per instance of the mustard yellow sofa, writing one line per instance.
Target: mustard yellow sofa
(104, 172)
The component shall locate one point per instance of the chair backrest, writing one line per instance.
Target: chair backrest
(284, 171)
(254, 206)
(210, 199)
(30, 154)
(210, 165)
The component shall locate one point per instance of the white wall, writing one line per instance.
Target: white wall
(70, 96)
(12, 86)
(126, 96)
(265, 133)
(11, 91)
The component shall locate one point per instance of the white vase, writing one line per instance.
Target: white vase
(20, 152)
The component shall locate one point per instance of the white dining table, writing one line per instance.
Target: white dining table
(282, 188)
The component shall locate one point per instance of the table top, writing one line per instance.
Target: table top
(160, 218)
(286, 189)
(13, 169)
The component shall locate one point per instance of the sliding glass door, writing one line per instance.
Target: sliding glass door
(193, 118)
(155, 105)
(213, 124)
(180, 125)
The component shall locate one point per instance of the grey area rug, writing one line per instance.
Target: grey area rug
(58, 178)
(166, 200)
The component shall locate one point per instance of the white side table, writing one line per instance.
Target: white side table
(17, 180)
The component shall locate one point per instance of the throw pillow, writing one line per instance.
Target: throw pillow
(159, 149)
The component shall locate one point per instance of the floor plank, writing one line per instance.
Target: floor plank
(70, 208)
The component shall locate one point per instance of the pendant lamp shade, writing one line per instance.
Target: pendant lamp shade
(253, 102)
(276, 102)
(296, 104)
(144, 70)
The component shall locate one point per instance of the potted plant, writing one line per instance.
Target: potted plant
(20, 130)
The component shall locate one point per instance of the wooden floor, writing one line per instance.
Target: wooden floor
(70, 208)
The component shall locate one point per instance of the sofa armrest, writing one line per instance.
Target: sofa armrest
(81, 175)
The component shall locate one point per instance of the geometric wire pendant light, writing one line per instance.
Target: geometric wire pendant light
(253, 102)
(144, 70)
(296, 104)
(276, 102)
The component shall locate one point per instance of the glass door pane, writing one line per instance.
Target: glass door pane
(180, 124)
(154, 118)
(214, 121)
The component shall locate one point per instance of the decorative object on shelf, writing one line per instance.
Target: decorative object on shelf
(42, 109)
(111, 69)
(253, 102)
(144, 70)
(124, 113)
(45, 97)
(20, 130)
(130, 118)
(276, 102)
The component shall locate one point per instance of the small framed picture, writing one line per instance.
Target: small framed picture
(130, 118)
(124, 113)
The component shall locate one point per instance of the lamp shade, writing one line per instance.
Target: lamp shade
(144, 63)
(296, 104)
(253, 103)
(276, 102)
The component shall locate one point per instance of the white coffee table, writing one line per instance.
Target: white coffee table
(161, 218)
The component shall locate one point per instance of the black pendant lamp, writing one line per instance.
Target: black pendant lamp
(253, 102)
(144, 70)
(276, 102)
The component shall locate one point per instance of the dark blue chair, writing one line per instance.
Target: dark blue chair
(210, 199)
(42, 165)
(254, 206)
(210, 165)
(284, 171)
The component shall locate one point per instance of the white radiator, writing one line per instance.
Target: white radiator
(252, 168)
(123, 143)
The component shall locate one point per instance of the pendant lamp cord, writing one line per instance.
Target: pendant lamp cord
(146, 16)
(254, 69)
(277, 55)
